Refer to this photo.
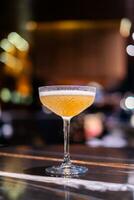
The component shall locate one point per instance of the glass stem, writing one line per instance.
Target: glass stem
(66, 130)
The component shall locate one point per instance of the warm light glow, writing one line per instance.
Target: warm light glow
(129, 102)
(18, 41)
(125, 27)
(24, 87)
(6, 45)
(31, 25)
(130, 50)
(11, 61)
(93, 125)
(72, 25)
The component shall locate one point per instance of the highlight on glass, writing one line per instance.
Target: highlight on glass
(67, 101)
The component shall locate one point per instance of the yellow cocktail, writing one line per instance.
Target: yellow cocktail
(67, 102)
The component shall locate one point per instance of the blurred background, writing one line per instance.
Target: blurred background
(81, 42)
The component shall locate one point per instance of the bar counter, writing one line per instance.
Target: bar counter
(22, 174)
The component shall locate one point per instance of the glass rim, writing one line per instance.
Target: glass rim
(66, 87)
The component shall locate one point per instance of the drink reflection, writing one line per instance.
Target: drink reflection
(11, 188)
(66, 191)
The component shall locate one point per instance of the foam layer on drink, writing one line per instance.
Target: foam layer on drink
(67, 92)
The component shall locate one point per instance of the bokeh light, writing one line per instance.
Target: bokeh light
(5, 95)
(16, 97)
(130, 50)
(125, 27)
(133, 36)
(6, 45)
(7, 131)
(18, 41)
(132, 120)
(129, 102)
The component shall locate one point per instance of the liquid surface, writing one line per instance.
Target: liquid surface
(67, 103)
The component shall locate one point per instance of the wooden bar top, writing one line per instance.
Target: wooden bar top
(110, 173)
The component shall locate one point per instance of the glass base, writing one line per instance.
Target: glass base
(66, 171)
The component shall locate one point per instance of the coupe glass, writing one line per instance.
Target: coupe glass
(67, 101)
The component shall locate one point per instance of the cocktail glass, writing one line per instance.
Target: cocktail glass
(67, 101)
